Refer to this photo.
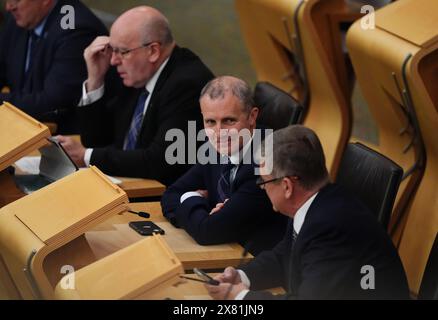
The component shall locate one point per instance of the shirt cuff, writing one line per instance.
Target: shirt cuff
(189, 194)
(244, 278)
(92, 96)
(241, 295)
(87, 157)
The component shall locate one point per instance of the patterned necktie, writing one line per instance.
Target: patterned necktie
(137, 119)
(34, 41)
(224, 182)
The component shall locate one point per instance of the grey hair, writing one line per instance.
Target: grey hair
(297, 151)
(217, 88)
(157, 29)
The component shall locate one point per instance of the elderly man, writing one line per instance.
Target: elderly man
(125, 125)
(219, 202)
(334, 247)
(41, 60)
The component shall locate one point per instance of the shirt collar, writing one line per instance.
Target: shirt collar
(236, 157)
(150, 86)
(38, 30)
(302, 212)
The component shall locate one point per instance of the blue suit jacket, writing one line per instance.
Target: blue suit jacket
(52, 88)
(339, 236)
(247, 217)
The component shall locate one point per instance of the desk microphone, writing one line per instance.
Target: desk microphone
(244, 254)
(140, 213)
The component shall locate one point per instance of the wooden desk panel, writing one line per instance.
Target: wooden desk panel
(114, 234)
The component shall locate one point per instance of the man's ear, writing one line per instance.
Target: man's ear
(155, 52)
(253, 116)
(288, 187)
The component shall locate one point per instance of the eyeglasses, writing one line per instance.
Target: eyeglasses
(122, 53)
(261, 183)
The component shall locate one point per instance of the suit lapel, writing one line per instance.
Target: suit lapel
(21, 57)
(153, 105)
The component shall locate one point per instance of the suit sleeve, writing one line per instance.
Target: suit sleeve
(247, 204)
(180, 105)
(62, 83)
(192, 180)
(267, 269)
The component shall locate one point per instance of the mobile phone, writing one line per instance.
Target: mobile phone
(146, 228)
(205, 277)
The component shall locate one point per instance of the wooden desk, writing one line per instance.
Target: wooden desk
(134, 188)
(115, 234)
(189, 290)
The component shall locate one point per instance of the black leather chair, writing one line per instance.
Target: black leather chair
(429, 283)
(372, 177)
(278, 109)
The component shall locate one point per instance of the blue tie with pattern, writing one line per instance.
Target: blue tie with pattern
(224, 182)
(137, 119)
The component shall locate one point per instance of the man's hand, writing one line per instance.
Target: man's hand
(74, 148)
(230, 275)
(219, 206)
(223, 290)
(97, 57)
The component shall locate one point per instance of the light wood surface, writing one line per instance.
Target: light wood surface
(39, 224)
(134, 271)
(114, 234)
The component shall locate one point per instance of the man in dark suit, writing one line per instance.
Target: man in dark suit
(334, 247)
(126, 125)
(219, 202)
(41, 60)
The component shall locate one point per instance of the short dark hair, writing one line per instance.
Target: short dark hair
(297, 151)
(216, 89)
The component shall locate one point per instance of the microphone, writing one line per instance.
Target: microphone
(140, 213)
(246, 248)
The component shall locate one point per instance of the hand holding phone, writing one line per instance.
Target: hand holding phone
(205, 277)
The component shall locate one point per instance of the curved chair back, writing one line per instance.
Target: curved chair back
(372, 177)
(278, 109)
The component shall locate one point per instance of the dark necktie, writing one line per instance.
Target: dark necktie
(34, 41)
(293, 234)
(224, 182)
(137, 119)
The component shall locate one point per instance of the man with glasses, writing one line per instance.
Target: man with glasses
(41, 62)
(219, 202)
(334, 247)
(124, 124)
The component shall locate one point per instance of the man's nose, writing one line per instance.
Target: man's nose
(115, 59)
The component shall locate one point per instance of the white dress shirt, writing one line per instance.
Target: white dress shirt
(93, 96)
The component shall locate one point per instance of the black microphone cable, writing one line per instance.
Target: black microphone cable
(140, 213)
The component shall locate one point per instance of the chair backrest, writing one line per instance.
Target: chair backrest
(278, 109)
(372, 177)
(429, 283)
